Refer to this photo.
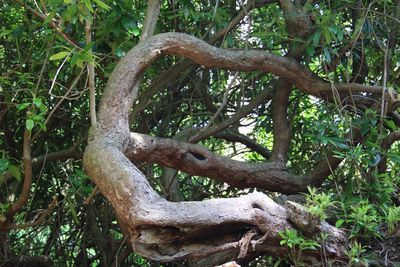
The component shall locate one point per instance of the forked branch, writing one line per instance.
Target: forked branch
(213, 230)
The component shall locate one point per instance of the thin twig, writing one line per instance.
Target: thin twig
(91, 196)
(37, 222)
(51, 23)
(91, 73)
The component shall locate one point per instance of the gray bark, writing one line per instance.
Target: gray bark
(216, 230)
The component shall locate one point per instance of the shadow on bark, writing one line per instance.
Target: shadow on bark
(209, 232)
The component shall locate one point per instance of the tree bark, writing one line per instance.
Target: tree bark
(216, 230)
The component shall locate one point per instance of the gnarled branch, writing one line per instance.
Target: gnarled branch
(217, 228)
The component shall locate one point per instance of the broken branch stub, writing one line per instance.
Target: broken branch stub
(209, 232)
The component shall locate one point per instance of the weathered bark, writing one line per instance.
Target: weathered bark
(169, 178)
(149, 25)
(196, 160)
(215, 230)
(282, 128)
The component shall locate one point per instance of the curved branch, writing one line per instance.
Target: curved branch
(23, 198)
(167, 231)
(211, 229)
(183, 65)
(233, 136)
(130, 68)
(196, 160)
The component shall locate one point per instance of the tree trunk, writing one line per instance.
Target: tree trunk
(213, 231)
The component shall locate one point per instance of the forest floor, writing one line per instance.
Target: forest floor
(388, 250)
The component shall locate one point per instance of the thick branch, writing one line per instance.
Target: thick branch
(150, 22)
(197, 160)
(386, 143)
(131, 67)
(211, 229)
(298, 25)
(168, 179)
(166, 231)
(282, 127)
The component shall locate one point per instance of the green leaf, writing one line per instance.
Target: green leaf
(327, 55)
(14, 170)
(74, 58)
(394, 157)
(359, 25)
(37, 102)
(327, 35)
(29, 124)
(316, 37)
(339, 223)
(81, 174)
(136, 32)
(3, 165)
(42, 108)
(340, 35)
(54, 3)
(391, 125)
(59, 55)
(5, 33)
(49, 17)
(102, 4)
(310, 50)
(88, 4)
(119, 52)
(37, 118)
(130, 25)
(23, 106)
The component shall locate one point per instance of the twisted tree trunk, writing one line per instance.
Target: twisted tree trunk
(212, 231)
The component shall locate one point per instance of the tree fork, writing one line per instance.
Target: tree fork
(214, 230)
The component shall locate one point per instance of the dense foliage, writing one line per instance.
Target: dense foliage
(61, 220)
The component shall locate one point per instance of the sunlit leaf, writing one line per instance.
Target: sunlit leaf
(37, 102)
(88, 4)
(102, 4)
(59, 55)
(3, 165)
(29, 124)
(23, 106)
